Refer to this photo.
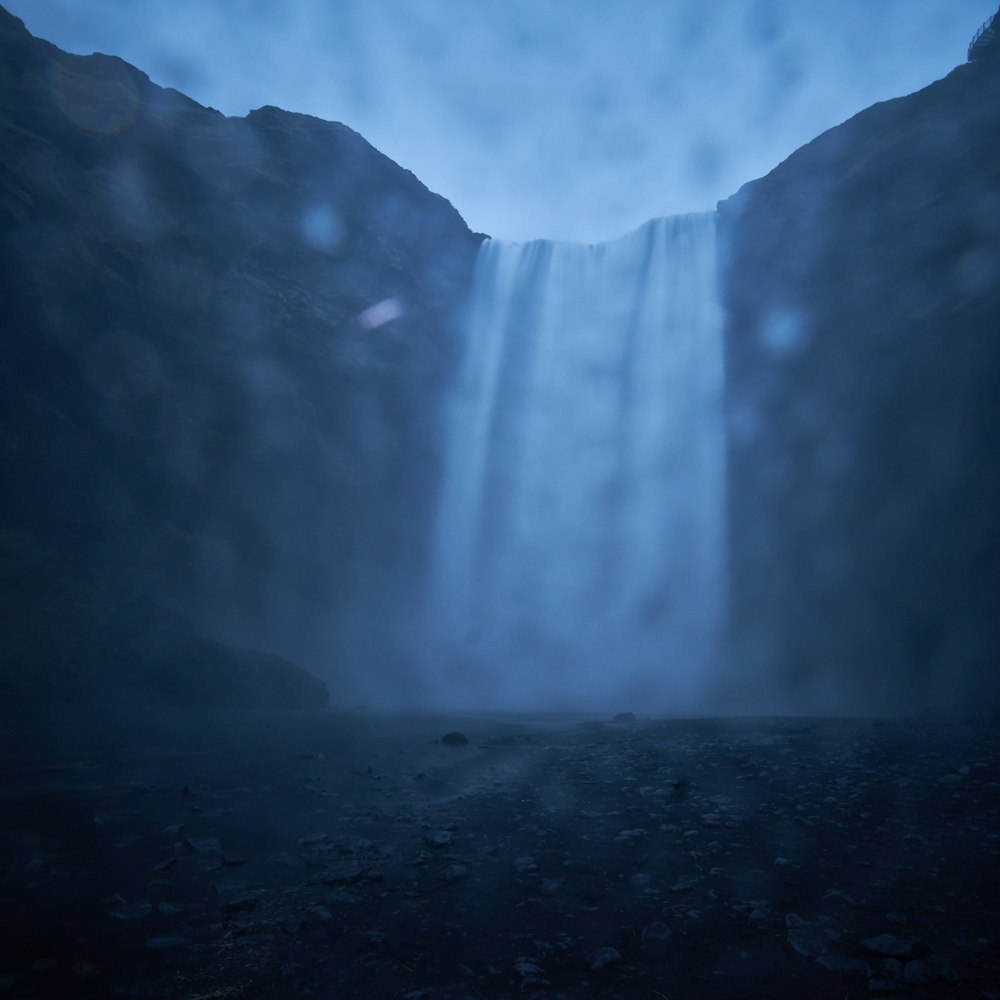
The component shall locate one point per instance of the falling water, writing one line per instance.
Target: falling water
(578, 558)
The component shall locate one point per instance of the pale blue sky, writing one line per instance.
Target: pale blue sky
(572, 119)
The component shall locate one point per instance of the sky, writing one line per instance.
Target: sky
(561, 119)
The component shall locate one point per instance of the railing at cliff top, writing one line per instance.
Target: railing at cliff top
(986, 26)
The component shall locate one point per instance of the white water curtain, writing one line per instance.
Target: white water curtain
(579, 548)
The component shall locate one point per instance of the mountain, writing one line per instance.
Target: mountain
(862, 285)
(220, 337)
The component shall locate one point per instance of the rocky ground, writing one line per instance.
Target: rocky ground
(359, 855)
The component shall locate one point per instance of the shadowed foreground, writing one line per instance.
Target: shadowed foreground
(356, 855)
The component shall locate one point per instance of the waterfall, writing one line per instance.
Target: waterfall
(578, 554)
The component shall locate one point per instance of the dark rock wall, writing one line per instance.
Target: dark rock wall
(223, 343)
(862, 282)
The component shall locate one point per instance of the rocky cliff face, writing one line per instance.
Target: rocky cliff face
(225, 339)
(862, 281)
(221, 337)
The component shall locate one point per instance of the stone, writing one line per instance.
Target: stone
(890, 968)
(202, 845)
(526, 967)
(809, 941)
(627, 836)
(890, 945)
(945, 969)
(455, 739)
(166, 943)
(438, 838)
(342, 873)
(603, 957)
(685, 884)
(881, 986)
(454, 873)
(132, 911)
(243, 903)
(840, 963)
(918, 973)
(656, 931)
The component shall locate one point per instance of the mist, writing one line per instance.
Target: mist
(564, 121)
(327, 434)
(578, 550)
(499, 500)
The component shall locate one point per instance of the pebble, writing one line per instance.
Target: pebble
(840, 963)
(202, 845)
(627, 835)
(891, 945)
(525, 967)
(438, 838)
(343, 873)
(656, 931)
(604, 957)
(809, 941)
(946, 969)
(890, 968)
(918, 973)
(320, 914)
(604, 793)
(133, 911)
(166, 943)
(454, 873)
(882, 986)
(241, 904)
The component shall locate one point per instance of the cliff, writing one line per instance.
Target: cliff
(862, 286)
(220, 339)
(225, 343)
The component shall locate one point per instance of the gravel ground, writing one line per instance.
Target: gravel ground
(362, 855)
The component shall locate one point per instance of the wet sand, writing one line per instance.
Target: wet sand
(353, 854)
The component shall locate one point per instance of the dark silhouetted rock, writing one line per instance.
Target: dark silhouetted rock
(861, 280)
(206, 672)
(891, 945)
(222, 342)
(454, 873)
(604, 957)
(455, 739)
(244, 903)
(438, 838)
